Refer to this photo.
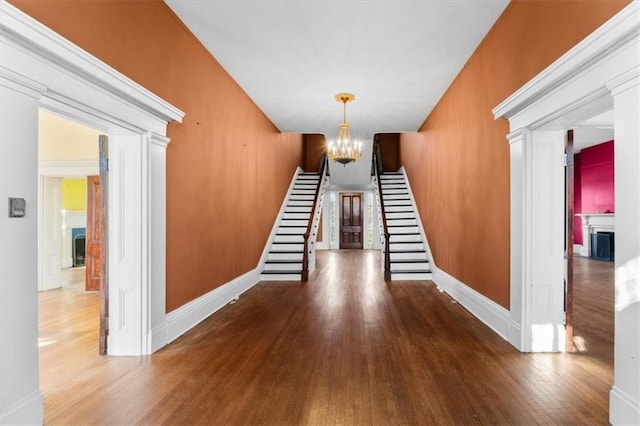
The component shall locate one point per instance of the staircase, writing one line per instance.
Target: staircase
(407, 251)
(285, 257)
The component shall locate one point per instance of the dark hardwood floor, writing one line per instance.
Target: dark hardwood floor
(344, 348)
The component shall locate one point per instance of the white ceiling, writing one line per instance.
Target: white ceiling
(593, 131)
(292, 56)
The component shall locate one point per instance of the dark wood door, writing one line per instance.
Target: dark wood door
(350, 221)
(95, 222)
(569, 198)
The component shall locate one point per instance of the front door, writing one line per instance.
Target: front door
(350, 220)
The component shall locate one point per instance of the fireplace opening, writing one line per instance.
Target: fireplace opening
(603, 246)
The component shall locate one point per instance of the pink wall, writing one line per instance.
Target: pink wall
(594, 184)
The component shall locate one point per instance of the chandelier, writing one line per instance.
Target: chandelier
(343, 149)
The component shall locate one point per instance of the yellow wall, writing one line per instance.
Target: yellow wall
(74, 194)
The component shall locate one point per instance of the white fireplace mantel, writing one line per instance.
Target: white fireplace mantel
(592, 223)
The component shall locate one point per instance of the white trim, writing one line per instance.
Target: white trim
(188, 316)
(26, 31)
(604, 41)
(622, 408)
(29, 410)
(68, 168)
(486, 310)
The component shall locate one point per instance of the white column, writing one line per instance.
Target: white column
(537, 248)
(545, 249)
(20, 398)
(517, 333)
(125, 245)
(625, 393)
(156, 159)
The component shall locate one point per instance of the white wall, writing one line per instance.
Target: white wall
(20, 398)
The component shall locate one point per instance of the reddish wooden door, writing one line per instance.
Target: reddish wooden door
(350, 220)
(97, 240)
(95, 222)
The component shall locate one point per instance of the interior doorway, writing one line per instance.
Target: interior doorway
(590, 185)
(67, 153)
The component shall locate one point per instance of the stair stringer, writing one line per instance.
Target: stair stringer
(276, 223)
(418, 219)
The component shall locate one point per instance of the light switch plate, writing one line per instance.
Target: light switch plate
(17, 207)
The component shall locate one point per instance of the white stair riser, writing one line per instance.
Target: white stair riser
(295, 222)
(281, 277)
(293, 266)
(411, 276)
(408, 256)
(297, 230)
(402, 230)
(297, 216)
(400, 215)
(401, 222)
(404, 238)
(299, 209)
(293, 257)
(289, 239)
(390, 197)
(409, 266)
(407, 246)
(287, 247)
(392, 209)
(299, 203)
(298, 192)
(391, 203)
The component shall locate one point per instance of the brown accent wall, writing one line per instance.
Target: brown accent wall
(228, 167)
(390, 151)
(314, 148)
(458, 164)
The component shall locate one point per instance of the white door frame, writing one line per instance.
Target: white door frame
(74, 84)
(41, 69)
(600, 73)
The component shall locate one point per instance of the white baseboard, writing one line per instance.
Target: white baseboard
(187, 316)
(577, 249)
(28, 411)
(623, 409)
(515, 336)
(159, 337)
(490, 313)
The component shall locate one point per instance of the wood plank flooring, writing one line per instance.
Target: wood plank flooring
(344, 348)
